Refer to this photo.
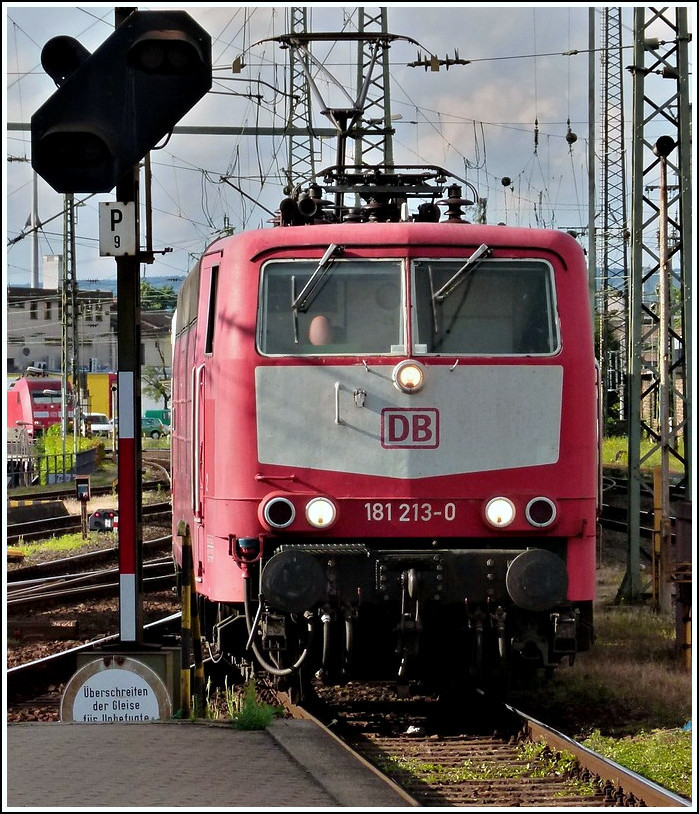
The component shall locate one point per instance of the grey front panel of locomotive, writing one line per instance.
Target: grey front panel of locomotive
(353, 419)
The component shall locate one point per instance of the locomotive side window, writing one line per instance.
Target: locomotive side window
(211, 317)
(498, 308)
(46, 398)
(360, 301)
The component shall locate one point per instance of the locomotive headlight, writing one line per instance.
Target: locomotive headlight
(409, 376)
(320, 512)
(500, 512)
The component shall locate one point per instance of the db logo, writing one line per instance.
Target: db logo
(410, 428)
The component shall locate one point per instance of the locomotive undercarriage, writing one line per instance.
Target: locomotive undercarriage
(485, 617)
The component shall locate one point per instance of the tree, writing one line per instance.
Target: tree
(154, 298)
(155, 384)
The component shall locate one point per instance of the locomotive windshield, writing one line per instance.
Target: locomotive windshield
(490, 307)
(356, 307)
(498, 308)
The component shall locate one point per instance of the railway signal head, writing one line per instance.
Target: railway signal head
(82, 488)
(113, 106)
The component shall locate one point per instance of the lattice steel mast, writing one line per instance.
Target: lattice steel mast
(660, 362)
(374, 144)
(301, 158)
(613, 231)
(69, 325)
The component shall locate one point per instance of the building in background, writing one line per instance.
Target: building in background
(34, 327)
(33, 332)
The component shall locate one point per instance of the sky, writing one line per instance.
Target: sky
(506, 114)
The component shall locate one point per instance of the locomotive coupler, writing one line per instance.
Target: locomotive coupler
(497, 620)
(410, 625)
(476, 623)
(564, 632)
(350, 614)
(326, 617)
(274, 633)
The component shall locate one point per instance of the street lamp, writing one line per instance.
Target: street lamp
(662, 148)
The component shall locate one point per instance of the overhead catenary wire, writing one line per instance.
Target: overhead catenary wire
(234, 28)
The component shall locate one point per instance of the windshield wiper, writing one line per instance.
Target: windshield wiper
(480, 254)
(303, 302)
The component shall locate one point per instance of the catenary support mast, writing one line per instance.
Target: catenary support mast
(659, 355)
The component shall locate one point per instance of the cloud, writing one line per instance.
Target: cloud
(476, 119)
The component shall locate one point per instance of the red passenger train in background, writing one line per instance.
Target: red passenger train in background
(34, 402)
(412, 495)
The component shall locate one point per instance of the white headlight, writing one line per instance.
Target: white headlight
(409, 376)
(320, 512)
(500, 512)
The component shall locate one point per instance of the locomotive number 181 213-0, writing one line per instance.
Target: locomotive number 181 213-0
(408, 512)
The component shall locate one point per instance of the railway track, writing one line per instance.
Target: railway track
(35, 683)
(501, 758)
(157, 574)
(75, 563)
(618, 482)
(615, 518)
(152, 459)
(66, 524)
(496, 757)
(86, 575)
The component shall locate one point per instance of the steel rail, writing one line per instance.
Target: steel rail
(70, 583)
(62, 665)
(69, 493)
(35, 600)
(631, 789)
(40, 529)
(72, 564)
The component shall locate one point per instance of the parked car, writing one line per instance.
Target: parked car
(153, 427)
(97, 424)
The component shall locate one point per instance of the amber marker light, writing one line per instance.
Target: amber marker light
(409, 376)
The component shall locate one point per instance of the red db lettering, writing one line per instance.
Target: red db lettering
(410, 428)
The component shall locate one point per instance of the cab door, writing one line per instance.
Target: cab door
(203, 399)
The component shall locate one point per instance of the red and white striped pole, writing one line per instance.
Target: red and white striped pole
(129, 398)
(130, 506)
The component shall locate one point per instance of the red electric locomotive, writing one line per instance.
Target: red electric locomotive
(385, 439)
(34, 401)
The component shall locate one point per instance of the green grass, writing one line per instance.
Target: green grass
(663, 756)
(615, 453)
(66, 544)
(242, 707)
(156, 443)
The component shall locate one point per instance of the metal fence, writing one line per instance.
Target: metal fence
(29, 469)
